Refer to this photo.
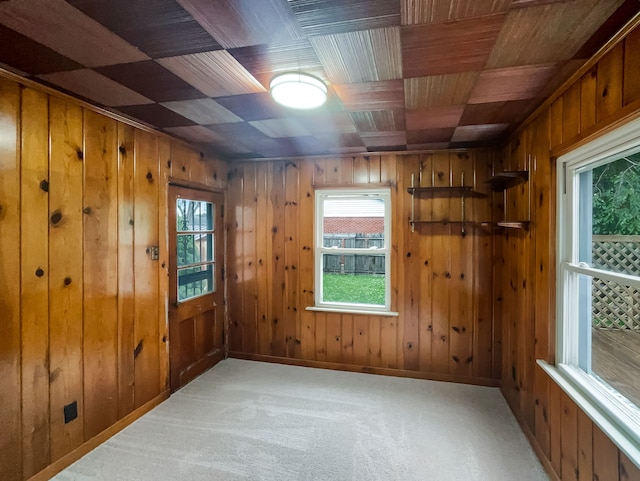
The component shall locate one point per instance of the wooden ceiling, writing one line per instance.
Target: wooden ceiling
(402, 74)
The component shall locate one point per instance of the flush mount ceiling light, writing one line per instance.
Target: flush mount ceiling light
(298, 90)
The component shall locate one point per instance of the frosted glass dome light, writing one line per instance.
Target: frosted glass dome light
(298, 90)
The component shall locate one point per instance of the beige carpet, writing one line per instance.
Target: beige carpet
(246, 420)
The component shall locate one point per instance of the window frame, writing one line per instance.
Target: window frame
(320, 250)
(603, 404)
(212, 232)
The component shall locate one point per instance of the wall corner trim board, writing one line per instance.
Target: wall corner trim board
(100, 438)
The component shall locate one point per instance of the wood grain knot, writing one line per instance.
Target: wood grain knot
(67, 281)
(86, 210)
(39, 272)
(169, 163)
(44, 185)
(605, 92)
(123, 150)
(137, 350)
(56, 217)
(80, 155)
(131, 222)
(149, 176)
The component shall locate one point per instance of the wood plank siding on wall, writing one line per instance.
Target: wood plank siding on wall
(82, 305)
(441, 280)
(569, 443)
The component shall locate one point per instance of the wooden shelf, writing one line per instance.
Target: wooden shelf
(451, 222)
(505, 180)
(456, 191)
(514, 224)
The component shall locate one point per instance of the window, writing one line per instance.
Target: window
(352, 249)
(195, 249)
(599, 279)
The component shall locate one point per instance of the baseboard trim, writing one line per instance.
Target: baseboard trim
(546, 463)
(70, 458)
(367, 369)
(200, 367)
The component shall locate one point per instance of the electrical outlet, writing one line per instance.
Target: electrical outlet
(70, 412)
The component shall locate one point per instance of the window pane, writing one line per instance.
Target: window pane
(194, 248)
(615, 346)
(353, 222)
(193, 215)
(195, 281)
(610, 217)
(356, 279)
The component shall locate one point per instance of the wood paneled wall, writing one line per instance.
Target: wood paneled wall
(441, 280)
(569, 443)
(82, 305)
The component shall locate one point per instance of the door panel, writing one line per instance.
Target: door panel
(196, 289)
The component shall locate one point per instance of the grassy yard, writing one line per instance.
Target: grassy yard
(353, 288)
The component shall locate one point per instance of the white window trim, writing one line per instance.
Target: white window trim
(319, 250)
(606, 408)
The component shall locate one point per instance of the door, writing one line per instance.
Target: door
(196, 290)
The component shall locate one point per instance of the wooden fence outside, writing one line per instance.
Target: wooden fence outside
(615, 306)
(365, 264)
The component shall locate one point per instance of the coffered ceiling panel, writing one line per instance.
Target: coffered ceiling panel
(216, 74)
(428, 136)
(379, 120)
(91, 85)
(61, 27)
(434, 117)
(279, 128)
(203, 111)
(472, 133)
(496, 112)
(362, 56)
(547, 33)
(514, 83)
(400, 74)
(328, 123)
(327, 17)
(442, 48)
(449, 89)
(371, 95)
(195, 133)
(155, 115)
(151, 80)
(239, 23)
(161, 28)
(385, 140)
(29, 56)
(438, 11)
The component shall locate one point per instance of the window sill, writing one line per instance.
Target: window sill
(352, 311)
(623, 434)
